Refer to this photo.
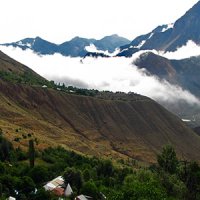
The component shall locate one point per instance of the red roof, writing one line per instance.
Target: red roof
(59, 191)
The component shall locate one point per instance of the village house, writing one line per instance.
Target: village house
(58, 187)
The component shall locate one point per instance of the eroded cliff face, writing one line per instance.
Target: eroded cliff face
(132, 127)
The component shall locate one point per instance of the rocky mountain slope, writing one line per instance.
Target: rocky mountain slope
(117, 125)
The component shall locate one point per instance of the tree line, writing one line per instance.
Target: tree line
(23, 175)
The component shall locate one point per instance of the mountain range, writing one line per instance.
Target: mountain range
(165, 38)
(74, 48)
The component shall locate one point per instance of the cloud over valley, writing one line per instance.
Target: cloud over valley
(114, 74)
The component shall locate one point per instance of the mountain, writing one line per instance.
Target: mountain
(184, 73)
(137, 44)
(168, 37)
(38, 45)
(74, 48)
(110, 43)
(113, 125)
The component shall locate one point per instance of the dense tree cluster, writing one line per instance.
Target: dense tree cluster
(169, 179)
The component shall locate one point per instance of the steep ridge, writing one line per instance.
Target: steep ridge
(186, 28)
(168, 38)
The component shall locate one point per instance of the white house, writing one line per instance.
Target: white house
(57, 186)
(57, 182)
(68, 191)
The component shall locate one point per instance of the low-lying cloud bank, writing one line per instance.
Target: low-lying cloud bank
(114, 74)
(189, 50)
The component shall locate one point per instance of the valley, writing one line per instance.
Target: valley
(113, 125)
(86, 114)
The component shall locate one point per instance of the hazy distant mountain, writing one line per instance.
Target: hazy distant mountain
(168, 37)
(75, 47)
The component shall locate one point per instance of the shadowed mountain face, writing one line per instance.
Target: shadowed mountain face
(74, 48)
(118, 126)
(184, 73)
(156, 65)
(168, 37)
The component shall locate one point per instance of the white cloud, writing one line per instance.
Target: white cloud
(116, 74)
(189, 50)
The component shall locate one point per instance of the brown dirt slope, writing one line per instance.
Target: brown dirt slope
(115, 128)
(132, 126)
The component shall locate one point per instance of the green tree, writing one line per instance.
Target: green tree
(1, 189)
(173, 185)
(167, 160)
(193, 181)
(27, 185)
(115, 195)
(73, 177)
(42, 194)
(5, 148)
(89, 188)
(31, 153)
(39, 174)
(86, 175)
(143, 185)
(105, 168)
